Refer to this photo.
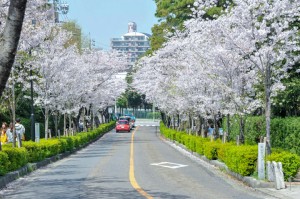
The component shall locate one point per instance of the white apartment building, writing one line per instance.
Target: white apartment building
(133, 43)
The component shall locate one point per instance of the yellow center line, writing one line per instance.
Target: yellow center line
(132, 179)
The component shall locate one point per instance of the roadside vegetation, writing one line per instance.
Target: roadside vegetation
(241, 159)
(227, 69)
(12, 158)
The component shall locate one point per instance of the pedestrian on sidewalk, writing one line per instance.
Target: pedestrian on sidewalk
(20, 129)
(211, 130)
(9, 133)
(3, 133)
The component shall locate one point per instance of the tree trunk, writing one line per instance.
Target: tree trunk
(65, 124)
(216, 127)
(228, 126)
(242, 129)
(92, 120)
(75, 126)
(46, 122)
(97, 121)
(70, 124)
(162, 114)
(205, 127)
(55, 120)
(9, 39)
(200, 126)
(173, 118)
(268, 107)
(168, 121)
(84, 121)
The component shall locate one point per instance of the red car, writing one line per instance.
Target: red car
(122, 125)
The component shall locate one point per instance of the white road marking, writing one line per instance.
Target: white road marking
(169, 165)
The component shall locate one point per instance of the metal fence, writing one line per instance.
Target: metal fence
(141, 113)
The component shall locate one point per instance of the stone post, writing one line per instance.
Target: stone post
(279, 179)
(281, 176)
(270, 172)
(261, 161)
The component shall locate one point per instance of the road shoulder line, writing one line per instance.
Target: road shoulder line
(132, 179)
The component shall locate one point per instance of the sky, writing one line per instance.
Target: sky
(106, 19)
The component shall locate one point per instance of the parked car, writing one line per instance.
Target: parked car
(133, 119)
(122, 125)
(131, 123)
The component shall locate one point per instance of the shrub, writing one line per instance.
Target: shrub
(192, 143)
(200, 144)
(67, 143)
(241, 159)
(35, 151)
(63, 145)
(222, 152)
(18, 157)
(211, 149)
(15, 158)
(285, 132)
(290, 162)
(4, 163)
(50, 146)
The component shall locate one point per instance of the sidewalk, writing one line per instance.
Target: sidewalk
(291, 192)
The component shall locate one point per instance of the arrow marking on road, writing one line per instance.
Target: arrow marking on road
(169, 165)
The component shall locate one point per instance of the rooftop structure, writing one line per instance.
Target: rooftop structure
(133, 43)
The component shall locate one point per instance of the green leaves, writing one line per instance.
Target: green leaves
(14, 158)
(4, 163)
(290, 162)
(172, 14)
(240, 159)
(285, 132)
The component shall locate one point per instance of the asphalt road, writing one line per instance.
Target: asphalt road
(127, 165)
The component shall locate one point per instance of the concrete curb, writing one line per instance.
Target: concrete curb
(30, 167)
(249, 181)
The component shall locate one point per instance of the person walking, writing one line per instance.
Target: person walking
(20, 129)
(9, 133)
(80, 126)
(211, 130)
(3, 133)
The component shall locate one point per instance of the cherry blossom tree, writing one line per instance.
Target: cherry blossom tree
(261, 31)
(71, 82)
(215, 63)
(10, 30)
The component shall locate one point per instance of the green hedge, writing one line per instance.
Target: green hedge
(15, 158)
(18, 157)
(4, 163)
(211, 149)
(240, 159)
(290, 162)
(285, 132)
(35, 151)
(200, 144)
